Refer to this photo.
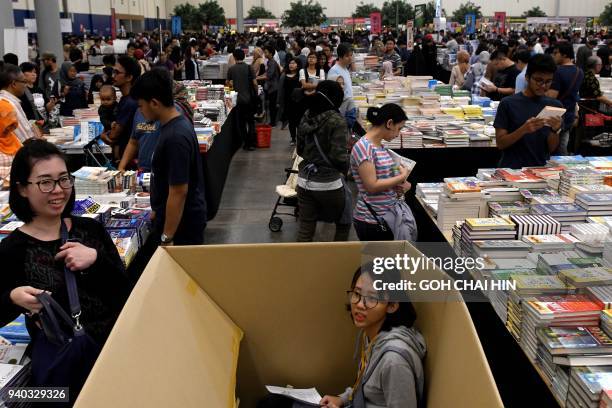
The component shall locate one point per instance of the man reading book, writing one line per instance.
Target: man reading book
(524, 139)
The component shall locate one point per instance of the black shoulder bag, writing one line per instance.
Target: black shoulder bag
(63, 354)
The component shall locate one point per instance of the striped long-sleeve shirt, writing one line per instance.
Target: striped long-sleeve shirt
(362, 151)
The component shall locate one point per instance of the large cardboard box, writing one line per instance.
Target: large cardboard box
(177, 343)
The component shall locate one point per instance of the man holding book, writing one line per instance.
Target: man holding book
(527, 125)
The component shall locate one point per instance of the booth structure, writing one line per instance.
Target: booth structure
(210, 326)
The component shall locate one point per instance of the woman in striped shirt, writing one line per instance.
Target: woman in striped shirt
(379, 180)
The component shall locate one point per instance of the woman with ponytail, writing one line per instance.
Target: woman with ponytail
(379, 180)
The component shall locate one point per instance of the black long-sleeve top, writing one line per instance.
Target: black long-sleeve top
(103, 287)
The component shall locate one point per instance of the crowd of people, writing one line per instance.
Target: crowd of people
(306, 85)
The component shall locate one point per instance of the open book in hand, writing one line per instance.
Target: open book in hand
(484, 82)
(402, 161)
(551, 112)
(308, 396)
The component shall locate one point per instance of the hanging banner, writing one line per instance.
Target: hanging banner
(113, 24)
(410, 34)
(419, 15)
(470, 23)
(177, 23)
(375, 23)
(500, 19)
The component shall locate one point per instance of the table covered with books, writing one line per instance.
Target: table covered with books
(547, 232)
(214, 124)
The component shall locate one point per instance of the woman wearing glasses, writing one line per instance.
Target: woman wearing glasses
(390, 372)
(42, 196)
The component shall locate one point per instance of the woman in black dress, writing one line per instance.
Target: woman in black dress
(42, 196)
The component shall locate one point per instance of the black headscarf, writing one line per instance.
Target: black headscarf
(329, 96)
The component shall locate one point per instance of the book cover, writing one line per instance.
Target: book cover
(489, 223)
(596, 275)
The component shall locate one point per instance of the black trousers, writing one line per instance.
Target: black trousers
(316, 206)
(246, 124)
(271, 100)
(371, 232)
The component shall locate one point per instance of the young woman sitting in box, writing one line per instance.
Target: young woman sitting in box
(392, 350)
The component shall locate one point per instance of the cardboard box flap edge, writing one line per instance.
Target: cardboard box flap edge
(143, 363)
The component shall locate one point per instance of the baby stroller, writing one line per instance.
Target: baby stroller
(287, 196)
(93, 149)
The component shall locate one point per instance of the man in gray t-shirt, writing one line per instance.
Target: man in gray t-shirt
(241, 78)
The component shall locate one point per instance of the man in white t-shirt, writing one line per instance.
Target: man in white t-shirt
(341, 68)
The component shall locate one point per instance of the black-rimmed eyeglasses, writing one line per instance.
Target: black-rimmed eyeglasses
(369, 302)
(48, 185)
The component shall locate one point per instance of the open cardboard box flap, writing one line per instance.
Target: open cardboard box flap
(176, 341)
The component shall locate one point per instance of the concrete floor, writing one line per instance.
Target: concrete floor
(249, 197)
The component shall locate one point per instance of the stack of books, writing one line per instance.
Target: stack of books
(560, 310)
(501, 249)
(456, 138)
(560, 348)
(521, 179)
(565, 214)
(411, 139)
(586, 277)
(595, 204)
(566, 161)
(429, 194)
(552, 264)
(535, 195)
(495, 193)
(536, 285)
(589, 189)
(581, 343)
(602, 295)
(514, 322)
(579, 176)
(535, 225)
(557, 375)
(590, 232)
(551, 242)
(586, 386)
(460, 200)
(92, 180)
(480, 229)
(497, 209)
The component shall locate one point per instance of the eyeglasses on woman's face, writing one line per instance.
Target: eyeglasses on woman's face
(48, 185)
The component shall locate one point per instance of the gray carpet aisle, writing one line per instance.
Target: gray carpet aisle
(249, 196)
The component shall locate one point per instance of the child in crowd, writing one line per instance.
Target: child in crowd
(108, 106)
(97, 81)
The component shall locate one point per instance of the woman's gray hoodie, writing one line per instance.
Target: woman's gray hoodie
(394, 375)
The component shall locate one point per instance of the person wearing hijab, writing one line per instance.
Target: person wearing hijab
(321, 189)
(71, 90)
(181, 98)
(9, 143)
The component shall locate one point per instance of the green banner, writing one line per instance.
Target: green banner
(419, 15)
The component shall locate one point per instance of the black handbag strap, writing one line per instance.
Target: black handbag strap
(51, 318)
(71, 285)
